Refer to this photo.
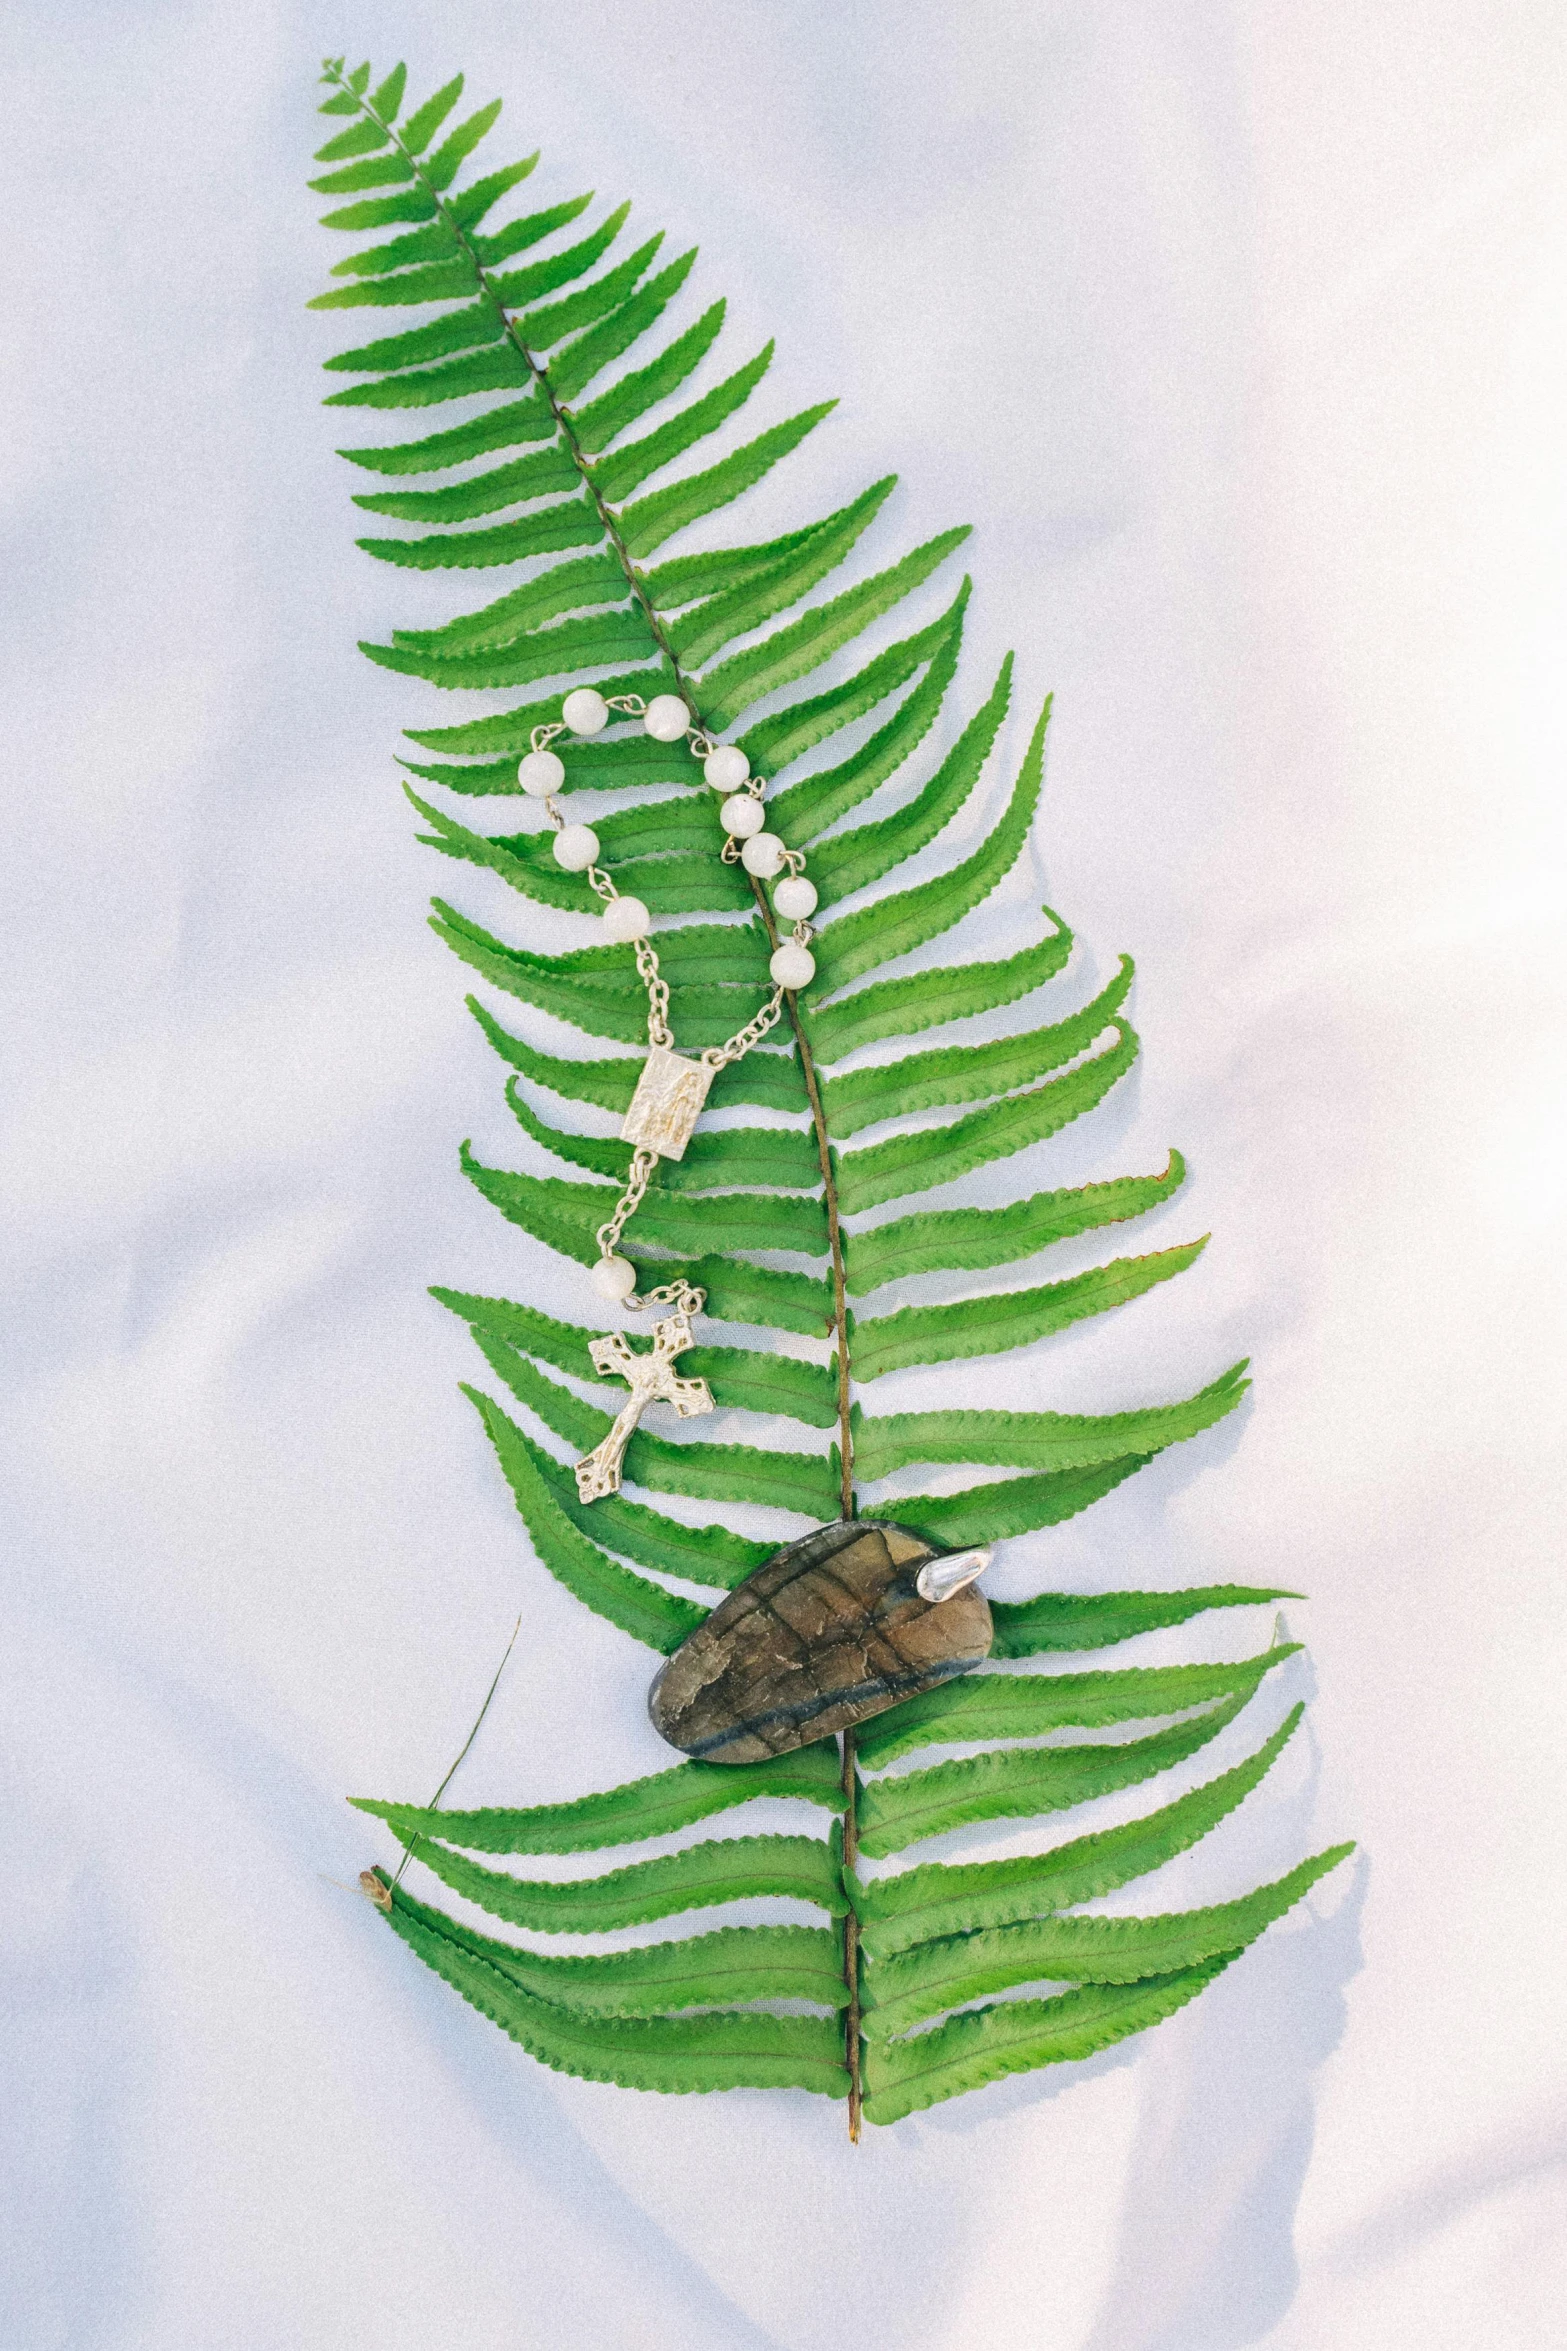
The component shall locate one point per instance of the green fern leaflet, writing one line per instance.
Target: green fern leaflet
(577, 457)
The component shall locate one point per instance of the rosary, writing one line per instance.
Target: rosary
(886, 1612)
(672, 1088)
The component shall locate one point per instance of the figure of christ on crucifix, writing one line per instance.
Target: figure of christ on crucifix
(652, 1379)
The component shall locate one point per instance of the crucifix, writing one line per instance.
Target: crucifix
(652, 1379)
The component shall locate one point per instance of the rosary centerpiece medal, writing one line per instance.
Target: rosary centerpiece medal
(667, 1103)
(852, 1618)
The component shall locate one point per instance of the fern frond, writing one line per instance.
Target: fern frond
(1079, 1620)
(969, 1073)
(927, 1978)
(1028, 1705)
(986, 2044)
(731, 1966)
(1040, 1440)
(653, 1807)
(723, 2051)
(806, 807)
(939, 1155)
(657, 518)
(969, 1240)
(937, 1899)
(725, 1869)
(999, 1321)
(579, 453)
(902, 1811)
(902, 1008)
(896, 925)
(644, 1610)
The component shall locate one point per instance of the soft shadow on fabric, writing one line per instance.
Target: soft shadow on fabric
(1206, 2258)
(515, 2105)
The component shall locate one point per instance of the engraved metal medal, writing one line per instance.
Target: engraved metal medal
(667, 1103)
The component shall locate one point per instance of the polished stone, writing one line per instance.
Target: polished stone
(830, 1631)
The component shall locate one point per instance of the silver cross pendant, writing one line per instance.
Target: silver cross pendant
(652, 1379)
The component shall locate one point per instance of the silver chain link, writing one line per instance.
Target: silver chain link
(659, 1031)
(682, 1295)
(608, 1235)
(739, 1045)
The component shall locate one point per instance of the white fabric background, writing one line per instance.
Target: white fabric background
(1238, 333)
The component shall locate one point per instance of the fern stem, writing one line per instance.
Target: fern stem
(851, 1935)
(840, 1295)
(840, 1304)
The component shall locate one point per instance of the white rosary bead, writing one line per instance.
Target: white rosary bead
(626, 919)
(763, 855)
(576, 846)
(540, 773)
(793, 966)
(727, 769)
(614, 1277)
(666, 718)
(585, 712)
(795, 898)
(743, 816)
